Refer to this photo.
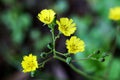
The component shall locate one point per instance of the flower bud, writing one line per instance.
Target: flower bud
(43, 55)
(68, 60)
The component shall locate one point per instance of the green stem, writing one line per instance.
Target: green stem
(90, 55)
(85, 59)
(65, 55)
(49, 52)
(80, 72)
(58, 35)
(53, 41)
(77, 70)
(80, 59)
(47, 60)
(43, 63)
(59, 58)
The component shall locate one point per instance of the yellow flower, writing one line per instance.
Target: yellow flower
(46, 16)
(29, 63)
(75, 45)
(66, 26)
(114, 13)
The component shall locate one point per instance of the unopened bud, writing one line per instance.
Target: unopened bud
(97, 52)
(43, 55)
(49, 46)
(102, 59)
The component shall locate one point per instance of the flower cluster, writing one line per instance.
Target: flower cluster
(74, 45)
(29, 63)
(114, 13)
(65, 26)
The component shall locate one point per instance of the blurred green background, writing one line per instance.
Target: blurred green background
(22, 33)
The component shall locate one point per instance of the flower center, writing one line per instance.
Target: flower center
(47, 18)
(74, 47)
(64, 27)
(30, 64)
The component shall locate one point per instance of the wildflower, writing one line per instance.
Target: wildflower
(46, 16)
(66, 26)
(114, 13)
(29, 63)
(75, 45)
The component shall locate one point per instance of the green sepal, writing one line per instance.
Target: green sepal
(49, 46)
(32, 74)
(68, 60)
(52, 25)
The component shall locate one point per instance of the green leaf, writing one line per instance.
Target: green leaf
(82, 24)
(114, 70)
(35, 34)
(18, 24)
(42, 42)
